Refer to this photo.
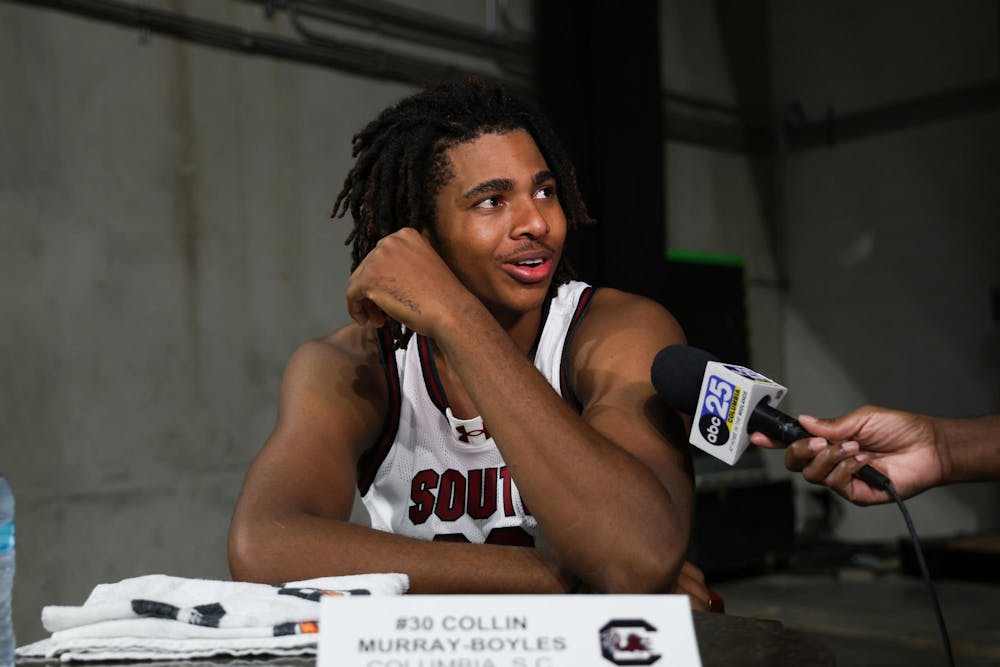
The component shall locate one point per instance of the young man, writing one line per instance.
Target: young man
(512, 442)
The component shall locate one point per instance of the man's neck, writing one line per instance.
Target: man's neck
(523, 330)
(521, 327)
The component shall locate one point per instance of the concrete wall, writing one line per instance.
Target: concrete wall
(891, 244)
(164, 247)
(717, 201)
(894, 240)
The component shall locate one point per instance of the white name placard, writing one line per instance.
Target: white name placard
(507, 631)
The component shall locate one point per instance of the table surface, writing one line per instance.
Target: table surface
(724, 640)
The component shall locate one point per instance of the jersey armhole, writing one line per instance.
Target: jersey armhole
(586, 297)
(371, 460)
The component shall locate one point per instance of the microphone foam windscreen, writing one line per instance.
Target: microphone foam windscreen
(677, 373)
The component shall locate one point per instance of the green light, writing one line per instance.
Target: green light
(693, 257)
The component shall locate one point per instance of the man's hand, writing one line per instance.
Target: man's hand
(691, 582)
(904, 446)
(405, 279)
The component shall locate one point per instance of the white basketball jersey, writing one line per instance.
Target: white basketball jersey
(432, 476)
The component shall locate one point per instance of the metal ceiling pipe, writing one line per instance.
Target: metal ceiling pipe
(366, 61)
(417, 27)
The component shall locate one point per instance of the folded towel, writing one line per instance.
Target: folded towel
(162, 617)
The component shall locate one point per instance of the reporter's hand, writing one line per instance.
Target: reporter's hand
(903, 446)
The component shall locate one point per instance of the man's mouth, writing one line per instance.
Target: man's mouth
(529, 270)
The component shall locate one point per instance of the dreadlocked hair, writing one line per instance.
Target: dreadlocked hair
(401, 163)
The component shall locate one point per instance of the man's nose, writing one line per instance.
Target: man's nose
(530, 222)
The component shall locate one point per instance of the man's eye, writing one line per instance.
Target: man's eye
(489, 202)
(546, 192)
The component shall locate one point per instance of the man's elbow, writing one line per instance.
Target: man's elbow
(246, 554)
(640, 576)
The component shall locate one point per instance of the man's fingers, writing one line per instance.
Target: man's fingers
(762, 440)
(826, 428)
(356, 309)
(844, 427)
(826, 460)
(692, 571)
(691, 582)
(696, 591)
(841, 479)
(366, 313)
(857, 490)
(376, 316)
(801, 453)
(698, 604)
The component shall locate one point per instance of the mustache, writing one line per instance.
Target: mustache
(526, 247)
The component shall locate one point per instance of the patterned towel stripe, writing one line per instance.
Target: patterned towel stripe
(315, 594)
(306, 628)
(207, 615)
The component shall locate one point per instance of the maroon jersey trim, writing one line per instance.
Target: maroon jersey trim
(432, 380)
(371, 460)
(564, 386)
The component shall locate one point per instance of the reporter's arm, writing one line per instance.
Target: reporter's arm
(970, 448)
(916, 452)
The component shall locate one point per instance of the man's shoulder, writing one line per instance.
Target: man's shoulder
(338, 379)
(351, 347)
(334, 390)
(613, 310)
(622, 328)
(616, 342)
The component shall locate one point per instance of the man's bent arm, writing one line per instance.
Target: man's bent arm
(609, 489)
(291, 521)
(609, 492)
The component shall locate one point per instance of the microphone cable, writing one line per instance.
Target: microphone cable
(891, 490)
(677, 374)
(780, 427)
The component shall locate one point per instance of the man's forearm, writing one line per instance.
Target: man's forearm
(302, 546)
(584, 489)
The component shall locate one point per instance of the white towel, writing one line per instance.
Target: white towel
(163, 617)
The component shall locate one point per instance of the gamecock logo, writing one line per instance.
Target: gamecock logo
(629, 642)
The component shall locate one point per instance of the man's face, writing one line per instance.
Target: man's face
(499, 223)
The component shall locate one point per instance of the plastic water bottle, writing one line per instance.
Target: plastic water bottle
(6, 573)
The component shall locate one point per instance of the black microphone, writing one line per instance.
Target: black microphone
(683, 379)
